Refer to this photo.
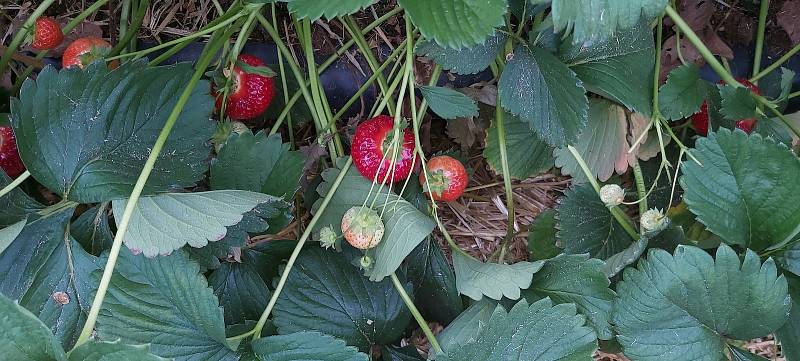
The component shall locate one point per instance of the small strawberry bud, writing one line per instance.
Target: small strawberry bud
(612, 195)
(366, 262)
(653, 221)
(327, 237)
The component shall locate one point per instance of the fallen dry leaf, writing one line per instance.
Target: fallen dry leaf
(789, 19)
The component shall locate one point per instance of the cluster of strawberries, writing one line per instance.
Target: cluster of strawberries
(376, 154)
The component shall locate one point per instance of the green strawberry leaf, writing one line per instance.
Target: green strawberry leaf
(476, 279)
(23, 337)
(257, 163)
(789, 334)
(789, 259)
(10, 233)
(606, 67)
(326, 293)
(542, 236)
(737, 102)
(86, 134)
(527, 154)
(165, 302)
(92, 230)
(163, 223)
(305, 345)
(16, 205)
(111, 351)
(434, 283)
(266, 218)
(242, 292)
(49, 273)
(466, 327)
(585, 225)
(448, 103)
(544, 93)
(241, 284)
(688, 305)
(683, 93)
(314, 9)
(468, 60)
(580, 280)
(455, 24)
(405, 226)
(666, 239)
(602, 144)
(599, 19)
(540, 331)
(774, 128)
(745, 190)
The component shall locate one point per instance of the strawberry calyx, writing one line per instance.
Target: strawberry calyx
(438, 183)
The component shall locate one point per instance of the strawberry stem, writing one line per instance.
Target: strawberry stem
(415, 312)
(256, 332)
(619, 215)
(22, 177)
(762, 22)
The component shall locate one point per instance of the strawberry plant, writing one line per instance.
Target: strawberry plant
(235, 207)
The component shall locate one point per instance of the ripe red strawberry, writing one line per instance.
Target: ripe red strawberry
(447, 178)
(373, 140)
(46, 34)
(9, 156)
(700, 119)
(362, 227)
(251, 93)
(84, 51)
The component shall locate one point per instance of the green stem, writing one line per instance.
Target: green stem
(204, 61)
(762, 23)
(317, 95)
(168, 44)
(376, 75)
(16, 182)
(619, 215)
(780, 115)
(123, 18)
(362, 45)
(26, 27)
(130, 34)
(641, 190)
(777, 63)
(423, 107)
(285, 85)
(657, 69)
(701, 47)
(501, 141)
(792, 95)
(297, 248)
(298, 74)
(415, 312)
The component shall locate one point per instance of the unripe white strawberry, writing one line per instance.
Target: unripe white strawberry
(612, 195)
(362, 227)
